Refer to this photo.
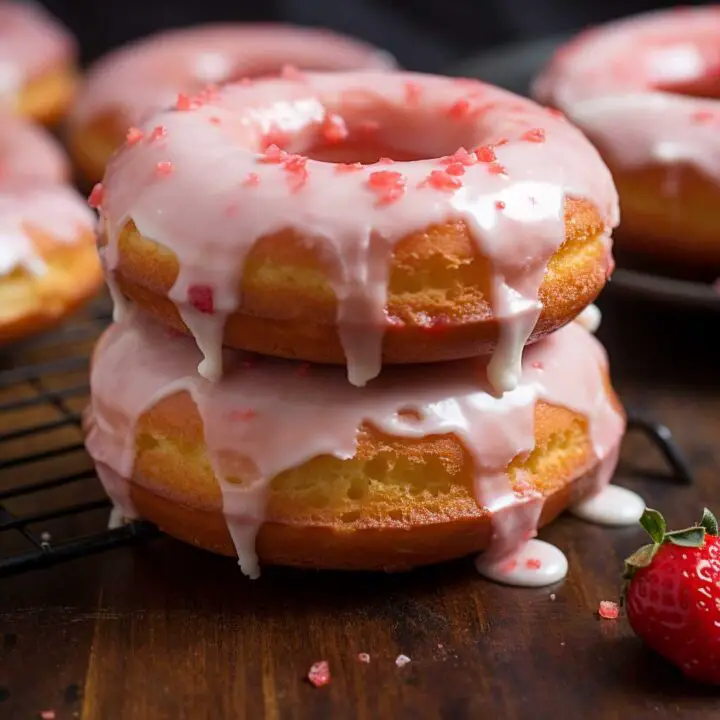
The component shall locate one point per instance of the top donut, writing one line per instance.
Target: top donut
(360, 218)
(127, 85)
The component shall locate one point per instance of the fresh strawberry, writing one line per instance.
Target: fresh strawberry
(672, 594)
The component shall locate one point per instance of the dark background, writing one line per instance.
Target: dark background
(425, 35)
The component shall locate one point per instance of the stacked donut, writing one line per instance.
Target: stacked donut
(344, 324)
(48, 263)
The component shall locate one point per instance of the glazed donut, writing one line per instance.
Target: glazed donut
(645, 90)
(306, 253)
(423, 465)
(48, 260)
(127, 85)
(37, 62)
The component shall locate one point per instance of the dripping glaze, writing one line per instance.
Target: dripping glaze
(181, 184)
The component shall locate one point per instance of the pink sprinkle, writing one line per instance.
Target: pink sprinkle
(164, 168)
(608, 610)
(413, 92)
(334, 129)
(702, 116)
(441, 180)
(319, 673)
(96, 197)
(134, 136)
(459, 109)
(363, 658)
(485, 154)
(295, 163)
(290, 72)
(201, 298)
(273, 154)
(389, 185)
(242, 414)
(348, 167)
(500, 204)
(496, 169)
(402, 660)
(455, 169)
(461, 156)
(533, 564)
(159, 131)
(536, 135)
(251, 180)
(47, 715)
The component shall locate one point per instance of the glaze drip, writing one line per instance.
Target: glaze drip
(265, 417)
(511, 196)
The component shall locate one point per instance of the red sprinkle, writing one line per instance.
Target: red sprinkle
(278, 138)
(455, 169)
(459, 109)
(363, 658)
(319, 673)
(608, 610)
(96, 197)
(273, 154)
(290, 72)
(500, 204)
(242, 414)
(442, 180)
(536, 135)
(201, 298)
(533, 564)
(413, 92)
(164, 168)
(348, 167)
(134, 136)
(702, 116)
(159, 131)
(389, 185)
(485, 153)
(334, 129)
(251, 180)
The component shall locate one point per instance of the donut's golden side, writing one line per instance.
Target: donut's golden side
(92, 143)
(32, 302)
(669, 214)
(396, 504)
(47, 97)
(438, 300)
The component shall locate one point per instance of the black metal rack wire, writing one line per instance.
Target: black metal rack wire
(29, 388)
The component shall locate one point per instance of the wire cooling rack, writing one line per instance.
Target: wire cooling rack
(52, 507)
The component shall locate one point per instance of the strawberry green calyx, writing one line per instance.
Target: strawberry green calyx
(654, 523)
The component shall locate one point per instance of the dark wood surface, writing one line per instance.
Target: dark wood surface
(164, 631)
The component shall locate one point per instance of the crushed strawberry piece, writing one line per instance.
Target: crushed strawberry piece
(485, 154)
(251, 180)
(96, 197)
(496, 169)
(275, 137)
(363, 658)
(413, 92)
(295, 165)
(164, 168)
(185, 102)
(319, 673)
(134, 136)
(455, 169)
(500, 204)
(273, 154)
(242, 414)
(702, 116)
(334, 129)
(533, 564)
(536, 135)
(402, 660)
(608, 610)
(159, 131)
(389, 185)
(461, 156)
(348, 167)
(201, 298)
(290, 72)
(442, 180)
(459, 109)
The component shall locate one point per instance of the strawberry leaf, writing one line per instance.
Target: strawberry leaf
(639, 559)
(655, 525)
(693, 537)
(709, 522)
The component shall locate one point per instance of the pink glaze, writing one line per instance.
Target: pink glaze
(32, 42)
(29, 152)
(534, 564)
(147, 75)
(278, 417)
(56, 210)
(205, 168)
(616, 81)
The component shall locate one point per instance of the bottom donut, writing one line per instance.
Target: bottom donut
(289, 464)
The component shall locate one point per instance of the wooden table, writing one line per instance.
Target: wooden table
(165, 631)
